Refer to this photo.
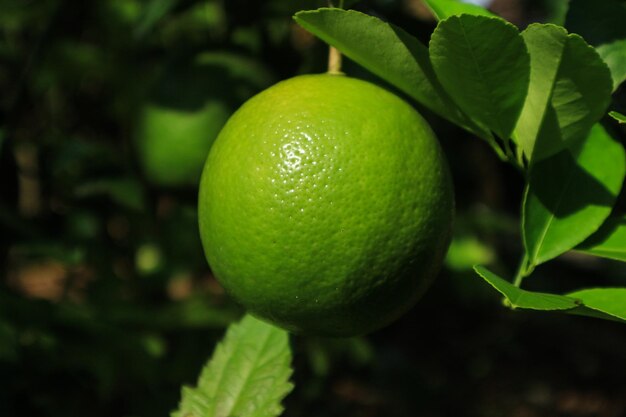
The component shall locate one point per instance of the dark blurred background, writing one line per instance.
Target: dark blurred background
(107, 305)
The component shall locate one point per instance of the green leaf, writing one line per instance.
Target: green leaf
(602, 25)
(519, 298)
(609, 301)
(442, 9)
(570, 194)
(609, 241)
(614, 54)
(603, 303)
(389, 52)
(349, 3)
(248, 375)
(153, 11)
(618, 116)
(289, 7)
(554, 11)
(483, 64)
(127, 192)
(569, 91)
(467, 251)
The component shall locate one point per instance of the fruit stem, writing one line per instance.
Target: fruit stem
(334, 61)
(334, 56)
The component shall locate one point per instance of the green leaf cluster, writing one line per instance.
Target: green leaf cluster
(538, 97)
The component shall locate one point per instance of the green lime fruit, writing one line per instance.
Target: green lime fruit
(187, 109)
(326, 205)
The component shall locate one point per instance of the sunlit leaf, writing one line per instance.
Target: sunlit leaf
(618, 116)
(603, 303)
(569, 91)
(442, 9)
(483, 64)
(609, 241)
(519, 298)
(248, 375)
(610, 301)
(389, 52)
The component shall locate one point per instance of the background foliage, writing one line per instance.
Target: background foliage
(107, 305)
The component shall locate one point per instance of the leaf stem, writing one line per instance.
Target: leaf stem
(520, 158)
(522, 271)
(497, 149)
(508, 150)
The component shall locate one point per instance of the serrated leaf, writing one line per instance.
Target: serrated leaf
(602, 25)
(570, 194)
(442, 9)
(519, 298)
(618, 116)
(609, 241)
(569, 91)
(610, 301)
(483, 65)
(603, 303)
(389, 52)
(248, 375)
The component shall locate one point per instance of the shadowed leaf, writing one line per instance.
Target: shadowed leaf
(601, 23)
(570, 194)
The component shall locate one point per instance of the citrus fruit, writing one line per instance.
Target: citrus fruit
(326, 205)
(186, 110)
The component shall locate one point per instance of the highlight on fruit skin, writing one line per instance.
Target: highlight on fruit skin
(186, 109)
(325, 206)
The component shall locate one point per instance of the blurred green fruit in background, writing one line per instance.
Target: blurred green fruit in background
(187, 108)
